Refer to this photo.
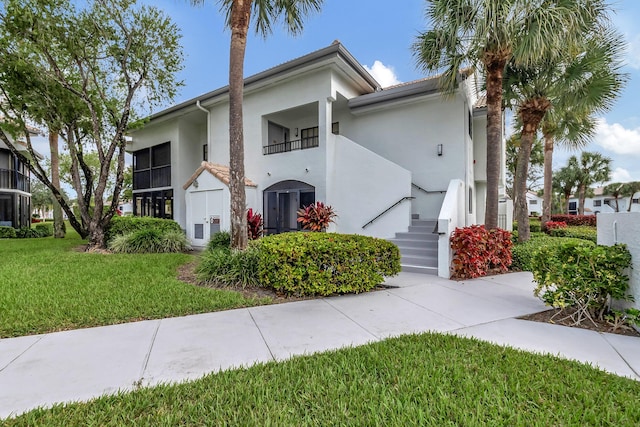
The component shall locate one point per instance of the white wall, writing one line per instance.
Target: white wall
(624, 228)
(408, 135)
(358, 191)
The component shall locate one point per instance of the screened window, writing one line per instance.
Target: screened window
(152, 167)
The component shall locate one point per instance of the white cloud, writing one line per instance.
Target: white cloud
(386, 76)
(633, 52)
(621, 175)
(618, 139)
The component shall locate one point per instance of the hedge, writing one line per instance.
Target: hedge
(303, 263)
(476, 251)
(523, 253)
(120, 225)
(579, 232)
(7, 232)
(589, 220)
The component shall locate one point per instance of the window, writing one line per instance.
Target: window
(309, 137)
(597, 203)
(533, 202)
(335, 128)
(152, 167)
(470, 200)
(470, 124)
(635, 201)
(158, 204)
(205, 152)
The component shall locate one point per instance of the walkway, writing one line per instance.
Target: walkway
(81, 364)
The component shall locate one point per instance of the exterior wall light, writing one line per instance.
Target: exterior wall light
(439, 149)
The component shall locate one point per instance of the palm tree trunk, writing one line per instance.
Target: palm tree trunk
(495, 70)
(548, 179)
(566, 203)
(58, 220)
(240, 16)
(582, 194)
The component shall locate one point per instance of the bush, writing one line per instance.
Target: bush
(554, 225)
(582, 276)
(589, 220)
(44, 229)
(316, 217)
(325, 263)
(534, 225)
(150, 241)
(27, 233)
(229, 267)
(523, 253)
(579, 232)
(477, 250)
(120, 225)
(7, 232)
(220, 240)
(254, 225)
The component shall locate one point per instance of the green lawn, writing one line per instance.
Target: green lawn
(425, 379)
(45, 285)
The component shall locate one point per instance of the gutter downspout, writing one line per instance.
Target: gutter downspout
(208, 125)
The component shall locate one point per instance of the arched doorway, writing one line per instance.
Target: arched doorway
(281, 203)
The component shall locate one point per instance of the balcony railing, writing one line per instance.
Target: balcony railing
(283, 147)
(12, 180)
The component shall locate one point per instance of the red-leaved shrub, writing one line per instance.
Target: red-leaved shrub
(316, 217)
(589, 220)
(254, 225)
(477, 251)
(552, 225)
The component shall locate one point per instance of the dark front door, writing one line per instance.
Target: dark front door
(281, 204)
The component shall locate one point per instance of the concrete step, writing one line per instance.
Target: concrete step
(424, 223)
(427, 237)
(423, 252)
(421, 228)
(406, 243)
(419, 261)
(419, 269)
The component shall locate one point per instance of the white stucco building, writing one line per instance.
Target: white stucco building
(320, 128)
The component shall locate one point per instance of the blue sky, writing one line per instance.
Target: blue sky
(379, 34)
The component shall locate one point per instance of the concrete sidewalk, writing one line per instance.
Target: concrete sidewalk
(76, 365)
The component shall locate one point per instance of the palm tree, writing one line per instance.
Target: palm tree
(630, 189)
(616, 190)
(591, 169)
(576, 80)
(591, 82)
(238, 19)
(565, 180)
(487, 34)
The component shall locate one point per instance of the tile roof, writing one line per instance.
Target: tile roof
(481, 102)
(219, 171)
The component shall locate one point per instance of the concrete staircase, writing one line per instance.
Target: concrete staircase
(418, 247)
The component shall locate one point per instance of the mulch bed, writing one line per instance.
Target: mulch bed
(600, 326)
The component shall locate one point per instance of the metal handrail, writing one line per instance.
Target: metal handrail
(387, 210)
(285, 147)
(427, 191)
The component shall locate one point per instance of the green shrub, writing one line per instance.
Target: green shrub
(325, 263)
(534, 225)
(27, 233)
(582, 276)
(44, 229)
(220, 240)
(149, 240)
(229, 267)
(523, 253)
(120, 225)
(584, 232)
(7, 232)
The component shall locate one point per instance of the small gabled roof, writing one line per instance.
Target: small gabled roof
(221, 172)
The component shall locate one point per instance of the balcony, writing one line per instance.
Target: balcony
(12, 180)
(284, 147)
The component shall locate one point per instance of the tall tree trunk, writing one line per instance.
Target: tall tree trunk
(495, 70)
(548, 179)
(566, 203)
(58, 219)
(531, 114)
(240, 16)
(582, 194)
